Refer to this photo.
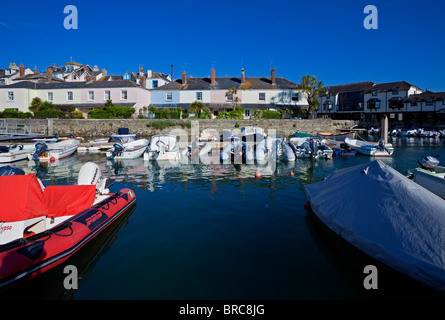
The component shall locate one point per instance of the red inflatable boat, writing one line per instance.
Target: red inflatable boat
(41, 228)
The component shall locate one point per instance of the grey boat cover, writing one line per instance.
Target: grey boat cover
(387, 216)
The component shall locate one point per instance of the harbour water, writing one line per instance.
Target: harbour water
(218, 232)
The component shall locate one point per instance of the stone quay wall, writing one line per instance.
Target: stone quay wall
(100, 128)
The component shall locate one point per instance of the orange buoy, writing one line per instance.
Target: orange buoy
(291, 173)
(257, 174)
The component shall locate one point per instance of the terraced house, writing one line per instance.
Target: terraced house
(224, 93)
(83, 96)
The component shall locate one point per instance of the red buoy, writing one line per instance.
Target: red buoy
(52, 159)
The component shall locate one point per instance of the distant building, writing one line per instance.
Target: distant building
(9, 75)
(400, 101)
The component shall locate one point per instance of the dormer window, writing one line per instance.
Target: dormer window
(395, 91)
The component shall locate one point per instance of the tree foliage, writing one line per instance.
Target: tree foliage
(313, 90)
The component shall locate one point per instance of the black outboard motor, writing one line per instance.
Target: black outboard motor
(11, 171)
(117, 150)
(41, 147)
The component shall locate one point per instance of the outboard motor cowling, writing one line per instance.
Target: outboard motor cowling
(428, 162)
(41, 147)
(117, 150)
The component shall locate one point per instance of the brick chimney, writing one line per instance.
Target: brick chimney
(272, 76)
(144, 82)
(212, 81)
(141, 71)
(243, 78)
(22, 70)
(35, 70)
(184, 77)
(49, 74)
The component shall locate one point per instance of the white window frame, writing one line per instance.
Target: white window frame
(107, 92)
(10, 96)
(68, 96)
(90, 95)
(168, 96)
(263, 94)
(50, 96)
(124, 94)
(199, 96)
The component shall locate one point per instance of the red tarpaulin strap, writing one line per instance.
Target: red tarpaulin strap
(68, 200)
(21, 198)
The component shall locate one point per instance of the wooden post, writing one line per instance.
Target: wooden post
(384, 129)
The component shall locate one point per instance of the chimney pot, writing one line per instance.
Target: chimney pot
(22, 70)
(144, 82)
(49, 74)
(213, 76)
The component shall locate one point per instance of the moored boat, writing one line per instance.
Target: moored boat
(53, 151)
(430, 175)
(129, 150)
(43, 227)
(374, 149)
(399, 223)
(15, 152)
(163, 147)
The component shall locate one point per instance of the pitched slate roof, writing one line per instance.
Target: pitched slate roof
(357, 86)
(72, 85)
(388, 86)
(224, 83)
(425, 96)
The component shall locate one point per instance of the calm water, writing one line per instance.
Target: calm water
(216, 232)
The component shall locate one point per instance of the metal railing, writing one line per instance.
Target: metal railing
(22, 129)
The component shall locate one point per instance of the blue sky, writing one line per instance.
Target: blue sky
(322, 38)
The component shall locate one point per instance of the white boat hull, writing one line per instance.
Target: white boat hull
(132, 150)
(58, 150)
(431, 180)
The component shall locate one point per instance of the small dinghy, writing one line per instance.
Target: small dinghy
(163, 147)
(54, 151)
(399, 223)
(129, 150)
(340, 148)
(42, 227)
(95, 145)
(430, 175)
(373, 149)
(15, 152)
(201, 148)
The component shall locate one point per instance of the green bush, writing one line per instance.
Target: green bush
(238, 113)
(110, 111)
(266, 114)
(77, 114)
